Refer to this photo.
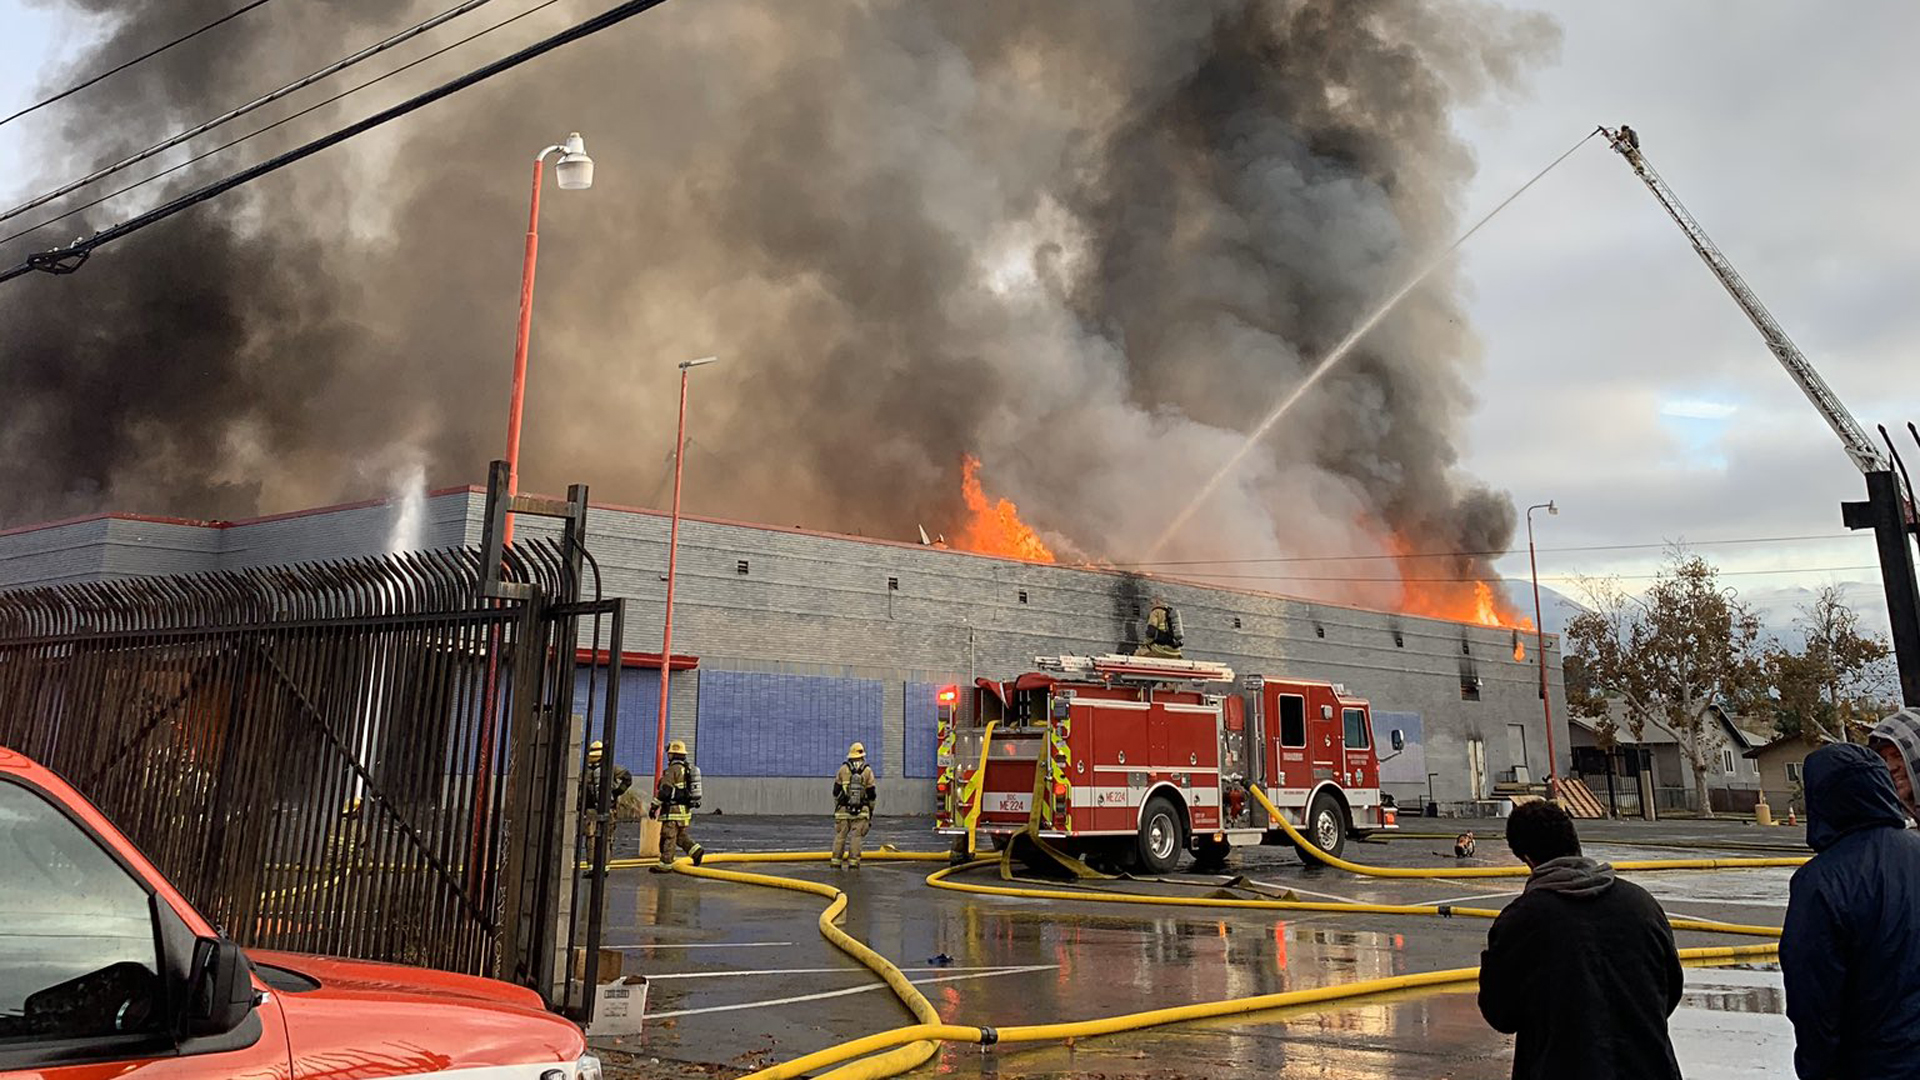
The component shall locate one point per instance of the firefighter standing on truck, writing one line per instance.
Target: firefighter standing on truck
(853, 793)
(673, 804)
(1163, 632)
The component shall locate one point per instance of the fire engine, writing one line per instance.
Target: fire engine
(106, 970)
(1129, 760)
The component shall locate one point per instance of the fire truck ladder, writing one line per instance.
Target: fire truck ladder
(1889, 507)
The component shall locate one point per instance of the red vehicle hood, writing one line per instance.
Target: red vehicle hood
(370, 1020)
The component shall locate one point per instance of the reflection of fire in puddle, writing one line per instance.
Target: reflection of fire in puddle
(1737, 999)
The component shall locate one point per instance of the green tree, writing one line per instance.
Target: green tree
(1667, 658)
(1837, 677)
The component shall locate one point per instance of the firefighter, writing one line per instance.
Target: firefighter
(590, 791)
(673, 805)
(1163, 632)
(853, 795)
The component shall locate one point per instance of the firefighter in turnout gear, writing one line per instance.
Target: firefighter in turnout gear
(590, 788)
(673, 804)
(853, 794)
(1163, 632)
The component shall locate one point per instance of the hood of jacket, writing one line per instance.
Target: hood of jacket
(1848, 790)
(1902, 729)
(1571, 875)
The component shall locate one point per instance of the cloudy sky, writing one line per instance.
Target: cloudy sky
(1619, 380)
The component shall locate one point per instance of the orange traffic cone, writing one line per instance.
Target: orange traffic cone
(1793, 818)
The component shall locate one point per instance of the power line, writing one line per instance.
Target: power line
(315, 107)
(70, 258)
(1497, 552)
(257, 103)
(1544, 577)
(148, 55)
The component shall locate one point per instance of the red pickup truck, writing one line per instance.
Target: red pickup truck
(107, 971)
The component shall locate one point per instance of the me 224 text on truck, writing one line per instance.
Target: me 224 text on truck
(1131, 760)
(107, 971)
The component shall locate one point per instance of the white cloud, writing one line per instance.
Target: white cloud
(1698, 409)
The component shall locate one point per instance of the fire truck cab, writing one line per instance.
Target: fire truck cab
(1130, 760)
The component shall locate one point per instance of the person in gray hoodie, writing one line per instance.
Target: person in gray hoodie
(1581, 966)
(1897, 740)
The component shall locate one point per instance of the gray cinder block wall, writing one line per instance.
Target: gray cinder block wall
(762, 599)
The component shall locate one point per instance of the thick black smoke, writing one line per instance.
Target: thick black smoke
(1090, 241)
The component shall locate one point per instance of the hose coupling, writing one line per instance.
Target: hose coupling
(988, 1036)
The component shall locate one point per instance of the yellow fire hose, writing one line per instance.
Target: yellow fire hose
(1307, 846)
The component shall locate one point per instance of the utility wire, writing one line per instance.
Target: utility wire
(1558, 577)
(315, 107)
(1496, 552)
(257, 103)
(148, 55)
(70, 258)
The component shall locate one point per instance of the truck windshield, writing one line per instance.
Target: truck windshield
(77, 954)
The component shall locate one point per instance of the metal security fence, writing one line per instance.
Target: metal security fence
(364, 758)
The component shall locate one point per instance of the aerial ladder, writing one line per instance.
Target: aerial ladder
(1889, 507)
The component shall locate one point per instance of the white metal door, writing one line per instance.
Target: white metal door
(1477, 767)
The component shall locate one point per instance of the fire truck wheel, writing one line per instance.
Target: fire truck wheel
(1162, 836)
(1327, 824)
(1210, 855)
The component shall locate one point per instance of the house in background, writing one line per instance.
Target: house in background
(1655, 767)
(1780, 763)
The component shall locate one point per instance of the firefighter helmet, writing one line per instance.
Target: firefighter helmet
(351, 808)
(677, 747)
(856, 752)
(595, 751)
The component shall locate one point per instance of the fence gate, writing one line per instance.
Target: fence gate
(364, 758)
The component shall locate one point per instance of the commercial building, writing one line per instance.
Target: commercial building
(796, 643)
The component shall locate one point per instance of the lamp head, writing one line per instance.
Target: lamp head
(1552, 510)
(685, 364)
(575, 170)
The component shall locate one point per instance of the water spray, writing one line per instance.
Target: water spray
(1339, 353)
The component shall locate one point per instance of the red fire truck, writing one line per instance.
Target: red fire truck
(1128, 760)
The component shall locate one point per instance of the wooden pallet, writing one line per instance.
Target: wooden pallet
(1578, 800)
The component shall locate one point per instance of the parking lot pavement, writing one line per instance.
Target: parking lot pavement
(741, 977)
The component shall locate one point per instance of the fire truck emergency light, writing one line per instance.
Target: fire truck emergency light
(949, 695)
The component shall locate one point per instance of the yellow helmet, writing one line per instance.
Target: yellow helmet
(856, 751)
(351, 808)
(677, 746)
(594, 751)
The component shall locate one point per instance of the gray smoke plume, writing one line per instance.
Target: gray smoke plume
(1090, 241)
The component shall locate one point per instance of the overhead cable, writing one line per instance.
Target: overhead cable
(148, 55)
(65, 260)
(257, 103)
(315, 107)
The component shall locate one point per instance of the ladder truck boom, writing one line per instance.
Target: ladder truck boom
(1889, 507)
(1859, 446)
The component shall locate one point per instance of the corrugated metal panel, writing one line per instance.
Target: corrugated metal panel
(639, 715)
(756, 724)
(922, 730)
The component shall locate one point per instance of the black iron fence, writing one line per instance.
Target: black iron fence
(364, 758)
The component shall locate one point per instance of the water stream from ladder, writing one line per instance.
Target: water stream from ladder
(1338, 354)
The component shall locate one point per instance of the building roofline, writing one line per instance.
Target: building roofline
(644, 511)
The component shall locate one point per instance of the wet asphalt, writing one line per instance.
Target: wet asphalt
(740, 976)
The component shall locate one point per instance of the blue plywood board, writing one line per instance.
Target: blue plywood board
(921, 730)
(765, 724)
(639, 706)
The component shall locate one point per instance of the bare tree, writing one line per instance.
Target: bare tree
(1669, 658)
(1838, 673)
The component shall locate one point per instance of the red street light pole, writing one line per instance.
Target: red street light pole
(574, 173)
(1540, 649)
(673, 553)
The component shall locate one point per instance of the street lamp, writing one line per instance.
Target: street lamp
(574, 172)
(1540, 648)
(673, 553)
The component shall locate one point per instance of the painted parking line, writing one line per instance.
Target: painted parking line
(701, 945)
(1476, 896)
(848, 992)
(1309, 892)
(994, 968)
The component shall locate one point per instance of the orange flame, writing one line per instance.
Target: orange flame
(993, 527)
(1426, 590)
